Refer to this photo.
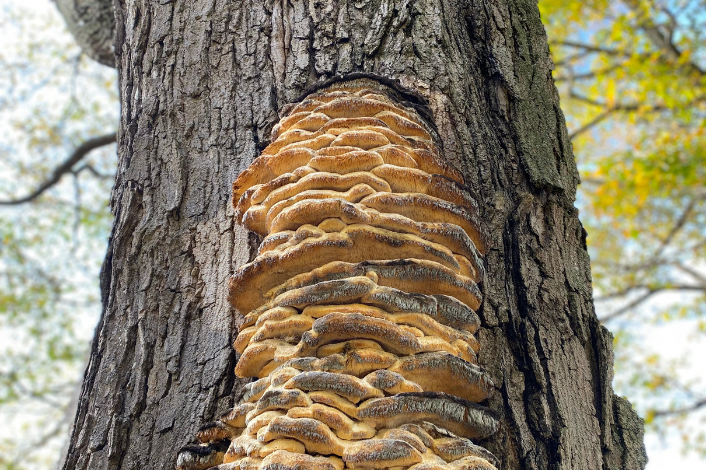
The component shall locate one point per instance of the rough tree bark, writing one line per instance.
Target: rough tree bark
(92, 24)
(201, 85)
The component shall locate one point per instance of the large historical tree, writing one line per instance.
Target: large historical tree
(202, 83)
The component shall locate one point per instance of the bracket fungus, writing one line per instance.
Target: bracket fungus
(358, 312)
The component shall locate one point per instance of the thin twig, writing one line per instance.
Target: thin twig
(78, 154)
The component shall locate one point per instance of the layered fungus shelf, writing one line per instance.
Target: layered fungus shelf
(358, 312)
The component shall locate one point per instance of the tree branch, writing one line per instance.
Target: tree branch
(592, 74)
(570, 58)
(80, 152)
(629, 306)
(627, 290)
(92, 24)
(592, 123)
(679, 411)
(693, 273)
(676, 228)
(603, 104)
(610, 109)
(90, 169)
(594, 49)
(634, 303)
(657, 259)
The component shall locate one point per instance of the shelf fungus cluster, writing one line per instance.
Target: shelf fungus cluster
(359, 309)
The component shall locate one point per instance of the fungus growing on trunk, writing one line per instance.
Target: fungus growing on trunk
(358, 311)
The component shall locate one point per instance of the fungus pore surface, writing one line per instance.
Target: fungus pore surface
(358, 313)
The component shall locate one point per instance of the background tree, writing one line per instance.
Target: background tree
(633, 82)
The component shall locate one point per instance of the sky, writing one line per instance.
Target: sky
(665, 453)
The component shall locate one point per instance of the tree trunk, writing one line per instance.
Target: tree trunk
(202, 84)
(92, 24)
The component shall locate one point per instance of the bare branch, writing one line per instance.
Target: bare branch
(93, 171)
(610, 109)
(641, 299)
(615, 107)
(693, 273)
(570, 58)
(678, 225)
(672, 26)
(592, 123)
(32, 446)
(629, 306)
(592, 74)
(688, 409)
(594, 49)
(588, 181)
(78, 154)
(657, 258)
(654, 289)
